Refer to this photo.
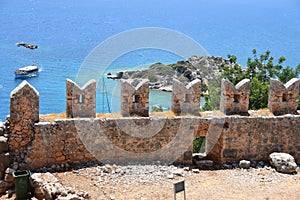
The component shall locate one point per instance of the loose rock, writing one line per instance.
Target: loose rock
(245, 164)
(283, 162)
(46, 186)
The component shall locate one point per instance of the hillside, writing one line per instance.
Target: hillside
(160, 75)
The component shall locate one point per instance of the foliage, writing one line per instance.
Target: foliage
(259, 94)
(166, 70)
(161, 69)
(198, 141)
(259, 70)
(207, 105)
(212, 100)
(152, 78)
(140, 74)
(157, 108)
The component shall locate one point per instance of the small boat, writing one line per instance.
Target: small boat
(27, 45)
(117, 76)
(28, 71)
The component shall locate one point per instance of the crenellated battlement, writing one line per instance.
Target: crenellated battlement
(83, 137)
(135, 97)
(81, 102)
(186, 99)
(235, 99)
(283, 98)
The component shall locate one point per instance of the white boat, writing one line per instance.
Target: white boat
(28, 71)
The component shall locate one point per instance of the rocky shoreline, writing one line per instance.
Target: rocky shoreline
(205, 68)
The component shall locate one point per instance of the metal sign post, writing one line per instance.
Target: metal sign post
(179, 187)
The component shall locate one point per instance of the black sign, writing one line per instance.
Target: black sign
(179, 187)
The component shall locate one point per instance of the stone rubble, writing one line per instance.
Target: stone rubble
(46, 186)
(132, 174)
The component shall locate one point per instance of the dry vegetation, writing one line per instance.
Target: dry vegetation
(108, 115)
(168, 113)
(52, 117)
(215, 113)
(261, 112)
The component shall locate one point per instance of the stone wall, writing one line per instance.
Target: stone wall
(228, 139)
(235, 99)
(135, 97)
(254, 138)
(24, 112)
(186, 99)
(33, 144)
(4, 151)
(108, 140)
(81, 102)
(283, 98)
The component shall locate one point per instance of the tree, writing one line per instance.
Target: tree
(259, 70)
(258, 94)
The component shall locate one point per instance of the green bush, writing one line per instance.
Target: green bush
(198, 141)
(152, 78)
(156, 108)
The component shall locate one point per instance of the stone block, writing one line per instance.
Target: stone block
(283, 98)
(80, 102)
(235, 99)
(135, 97)
(186, 98)
(24, 104)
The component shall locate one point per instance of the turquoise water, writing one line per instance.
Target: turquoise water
(67, 31)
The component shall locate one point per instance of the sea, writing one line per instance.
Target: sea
(67, 31)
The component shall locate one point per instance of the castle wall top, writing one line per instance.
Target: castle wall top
(24, 112)
(135, 97)
(235, 99)
(186, 98)
(283, 98)
(81, 102)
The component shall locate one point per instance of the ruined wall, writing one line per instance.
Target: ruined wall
(186, 99)
(135, 97)
(283, 98)
(81, 102)
(235, 99)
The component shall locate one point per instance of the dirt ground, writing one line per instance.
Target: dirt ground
(219, 184)
(254, 183)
